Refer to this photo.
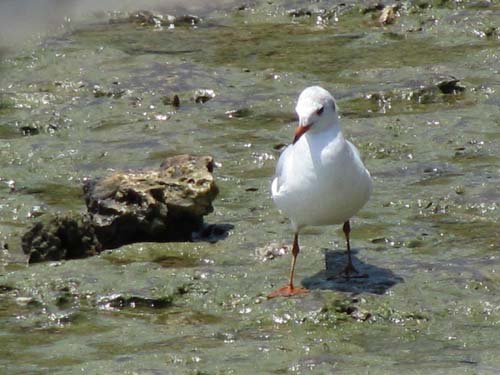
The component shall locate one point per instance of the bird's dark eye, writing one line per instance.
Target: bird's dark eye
(320, 111)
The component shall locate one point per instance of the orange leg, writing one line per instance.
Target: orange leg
(290, 290)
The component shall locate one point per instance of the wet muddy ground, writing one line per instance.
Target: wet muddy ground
(95, 96)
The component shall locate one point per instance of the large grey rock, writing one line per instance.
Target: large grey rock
(165, 204)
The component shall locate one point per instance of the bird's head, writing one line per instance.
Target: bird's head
(316, 109)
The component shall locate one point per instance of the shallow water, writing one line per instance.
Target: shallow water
(428, 239)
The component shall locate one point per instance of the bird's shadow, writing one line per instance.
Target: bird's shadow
(370, 279)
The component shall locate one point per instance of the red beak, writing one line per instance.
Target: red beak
(300, 131)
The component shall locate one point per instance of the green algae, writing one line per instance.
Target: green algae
(58, 195)
(6, 104)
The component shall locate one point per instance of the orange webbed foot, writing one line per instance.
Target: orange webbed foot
(287, 291)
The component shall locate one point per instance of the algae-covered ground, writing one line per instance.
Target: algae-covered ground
(93, 96)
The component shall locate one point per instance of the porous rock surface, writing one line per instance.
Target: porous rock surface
(165, 204)
(56, 237)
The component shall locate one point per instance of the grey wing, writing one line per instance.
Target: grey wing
(355, 149)
(357, 155)
(356, 152)
(278, 175)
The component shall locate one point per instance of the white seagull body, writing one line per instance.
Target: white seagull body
(320, 178)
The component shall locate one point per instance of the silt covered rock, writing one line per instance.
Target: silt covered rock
(56, 237)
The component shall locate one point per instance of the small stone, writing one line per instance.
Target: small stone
(301, 12)
(29, 130)
(235, 113)
(361, 315)
(388, 15)
(144, 17)
(174, 100)
(36, 211)
(203, 95)
(270, 251)
(450, 86)
(11, 184)
(99, 92)
(492, 32)
(118, 302)
(379, 240)
(24, 301)
(187, 19)
(414, 243)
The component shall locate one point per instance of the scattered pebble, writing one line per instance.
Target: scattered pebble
(235, 113)
(270, 251)
(203, 95)
(388, 15)
(174, 100)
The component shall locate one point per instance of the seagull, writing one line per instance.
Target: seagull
(320, 178)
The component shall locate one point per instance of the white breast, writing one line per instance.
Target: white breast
(321, 180)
